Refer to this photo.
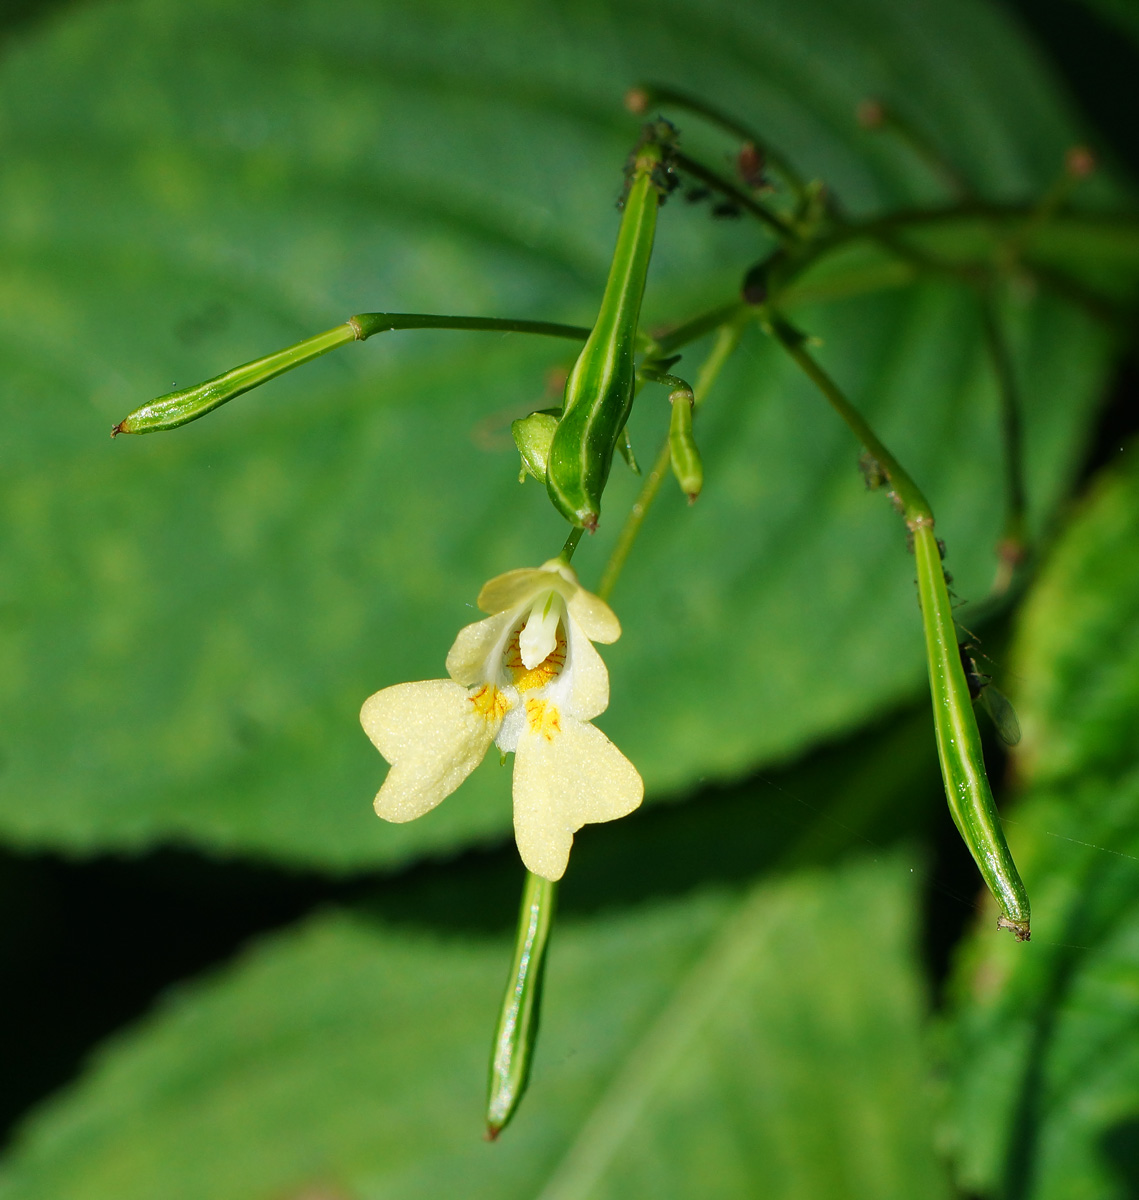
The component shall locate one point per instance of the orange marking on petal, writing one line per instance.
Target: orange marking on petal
(526, 679)
(490, 703)
(543, 719)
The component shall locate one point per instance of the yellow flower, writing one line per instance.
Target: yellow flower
(529, 679)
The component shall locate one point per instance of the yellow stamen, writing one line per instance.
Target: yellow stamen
(543, 718)
(526, 679)
(490, 703)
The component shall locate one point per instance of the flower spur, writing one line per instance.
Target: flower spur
(529, 679)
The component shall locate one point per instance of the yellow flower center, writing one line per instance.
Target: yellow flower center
(490, 703)
(526, 679)
(543, 719)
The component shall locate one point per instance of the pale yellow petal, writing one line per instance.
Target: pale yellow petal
(597, 620)
(589, 679)
(469, 660)
(515, 589)
(562, 782)
(434, 737)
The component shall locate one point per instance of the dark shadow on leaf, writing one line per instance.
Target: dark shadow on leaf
(1120, 1148)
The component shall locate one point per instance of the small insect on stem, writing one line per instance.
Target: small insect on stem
(995, 703)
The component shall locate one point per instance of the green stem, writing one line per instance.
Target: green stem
(771, 221)
(571, 543)
(517, 1030)
(919, 144)
(188, 404)
(1010, 551)
(654, 93)
(725, 343)
(914, 506)
(715, 318)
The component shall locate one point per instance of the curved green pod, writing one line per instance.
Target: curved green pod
(599, 390)
(188, 404)
(959, 741)
(686, 462)
(517, 1030)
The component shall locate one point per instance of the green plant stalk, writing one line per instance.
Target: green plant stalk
(599, 390)
(516, 1033)
(654, 93)
(1011, 548)
(769, 219)
(188, 404)
(959, 750)
(922, 146)
(726, 341)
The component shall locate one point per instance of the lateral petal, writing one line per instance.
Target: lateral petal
(433, 735)
(597, 620)
(563, 780)
(469, 660)
(588, 676)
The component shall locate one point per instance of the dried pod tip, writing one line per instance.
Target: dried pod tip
(1019, 929)
(589, 522)
(637, 100)
(871, 114)
(1079, 162)
(118, 429)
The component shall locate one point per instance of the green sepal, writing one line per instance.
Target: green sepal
(625, 446)
(532, 436)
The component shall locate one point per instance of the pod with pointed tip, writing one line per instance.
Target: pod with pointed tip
(599, 390)
(959, 742)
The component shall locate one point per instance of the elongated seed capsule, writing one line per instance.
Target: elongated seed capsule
(959, 742)
(181, 407)
(599, 390)
(517, 1028)
(686, 463)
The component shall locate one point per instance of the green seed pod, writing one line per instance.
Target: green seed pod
(517, 1029)
(686, 463)
(959, 742)
(182, 407)
(599, 391)
(532, 436)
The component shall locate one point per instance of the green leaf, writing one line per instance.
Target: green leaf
(722, 1046)
(189, 622)
(1043, 1047)
(1077, 656)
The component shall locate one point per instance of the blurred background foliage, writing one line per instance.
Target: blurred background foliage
(782, 981)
